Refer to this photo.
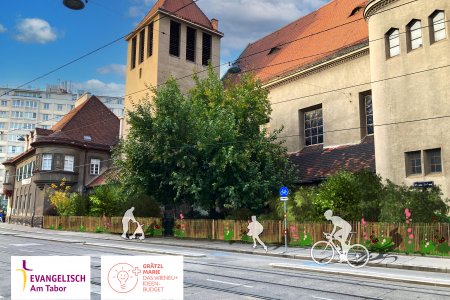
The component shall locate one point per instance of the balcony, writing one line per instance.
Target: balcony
(46, 178)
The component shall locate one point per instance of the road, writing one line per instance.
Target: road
(210, 274)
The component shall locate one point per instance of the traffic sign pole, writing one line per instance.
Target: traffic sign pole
(285, 229)
(284, 192)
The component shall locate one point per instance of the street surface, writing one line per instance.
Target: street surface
(210, 274)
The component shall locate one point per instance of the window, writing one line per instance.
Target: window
(14, 137)
(413, 163)
(133, 53)
(2, 125)
(46, 162)
(95, 166)
(25, 103)
(393, 42)
(190, 44)
(437, 28)
(15, 149)
(1, 149)
(313, 127)
(3, 114)
(366, 113)
(23, 115)
(4, 103)
(45, 126)
(206, 48)
(150, 40)
(59, 107)
(45, 117)
(68, 163)
(141, 45)
(46, 105)
(414, 34)
(31, 168)
(174, 46)
(58, 117)
(433, 162)
(71, 107)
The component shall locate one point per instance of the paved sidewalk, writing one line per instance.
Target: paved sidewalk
(391, 260)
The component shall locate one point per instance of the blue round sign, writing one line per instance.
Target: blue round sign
(284, 191)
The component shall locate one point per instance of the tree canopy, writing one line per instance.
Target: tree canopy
(208, 148)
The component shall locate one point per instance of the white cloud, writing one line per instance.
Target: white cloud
(33, 30)
(112, 69)
(244, 22)
(98, 87)
(2, 28)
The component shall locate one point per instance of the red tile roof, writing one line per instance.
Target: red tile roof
(315, 163)
(184, 9)
(19, 157)
(103, 178)
(315, 37)
(91, 118)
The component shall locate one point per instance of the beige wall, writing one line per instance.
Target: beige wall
(341, 109)
(155, 70)
(410, 98)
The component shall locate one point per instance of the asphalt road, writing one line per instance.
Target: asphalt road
(221, 275)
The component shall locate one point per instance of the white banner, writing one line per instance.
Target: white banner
(50, 277)
(142, 277)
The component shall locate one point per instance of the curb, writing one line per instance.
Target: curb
(360, 274)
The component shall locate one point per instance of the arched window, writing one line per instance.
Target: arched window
(437, 26)
(414, 34)
(393, 42)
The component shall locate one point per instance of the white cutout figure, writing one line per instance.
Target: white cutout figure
(342, 234)
(138, 230)
(126, 219)
(254, 230)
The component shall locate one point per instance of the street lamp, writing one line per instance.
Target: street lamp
(74, 4)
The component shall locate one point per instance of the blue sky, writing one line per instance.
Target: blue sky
(37, 36)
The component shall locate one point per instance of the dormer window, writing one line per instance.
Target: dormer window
(87, 138)
(273, 50)
(414, 34)
(393, 42)
(355, 11)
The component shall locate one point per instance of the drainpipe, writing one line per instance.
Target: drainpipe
(84, 171)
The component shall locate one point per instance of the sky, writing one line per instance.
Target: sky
(38, 36)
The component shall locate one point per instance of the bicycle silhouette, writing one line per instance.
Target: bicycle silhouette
(322, 252)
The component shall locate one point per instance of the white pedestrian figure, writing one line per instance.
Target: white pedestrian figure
(138, 230)
(254, 230)
(126, 219)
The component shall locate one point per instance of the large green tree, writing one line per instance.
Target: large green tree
(207, 148)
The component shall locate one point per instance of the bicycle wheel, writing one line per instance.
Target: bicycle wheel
(322, 252)
(357, 256)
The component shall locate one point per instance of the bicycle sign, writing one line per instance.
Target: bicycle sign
(322, 252)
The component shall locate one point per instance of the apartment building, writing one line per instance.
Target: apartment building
(21, 111)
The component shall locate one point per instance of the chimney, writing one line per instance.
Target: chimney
(215, 24)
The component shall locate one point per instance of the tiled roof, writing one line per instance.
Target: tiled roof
(313, 38)
(184, 9)
(91, 118)
(19, 157)
(103, 178)
(315, 163)
(44, 132)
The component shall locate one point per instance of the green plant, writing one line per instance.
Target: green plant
(228, 234)
(59, 197)
(99, 229)
(82, 228)
(60, 227)
(52, 227)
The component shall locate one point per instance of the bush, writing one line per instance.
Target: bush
(107, 199)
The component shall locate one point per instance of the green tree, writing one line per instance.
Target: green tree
(107, 199)
(207, 148)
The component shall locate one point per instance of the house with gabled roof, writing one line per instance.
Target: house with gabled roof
(77, 148)
(175, 39)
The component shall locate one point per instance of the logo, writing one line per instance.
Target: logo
(123, 277)
(24, 273)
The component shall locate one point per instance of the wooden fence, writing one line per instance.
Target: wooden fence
(95, 224)
(404, 237)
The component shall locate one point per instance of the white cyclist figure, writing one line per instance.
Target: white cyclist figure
(342, 234)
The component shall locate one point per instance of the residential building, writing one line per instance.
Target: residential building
(359, 82)
(175, 39)
(21, 111)
(77, 148)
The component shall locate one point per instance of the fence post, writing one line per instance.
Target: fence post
(212, 230)
(279, 232)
